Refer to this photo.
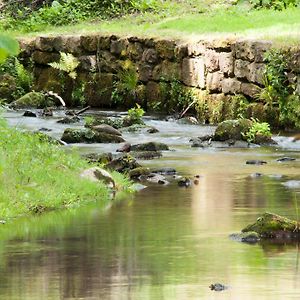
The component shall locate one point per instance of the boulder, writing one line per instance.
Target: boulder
(123, 164)
(137, 172)
(32, 99)
(102, 158)
(29, 113)
(72, 135)
(150, 146)
(106, 129)
(124, 148)
(274, 226)
(232, 130)
(98, 174)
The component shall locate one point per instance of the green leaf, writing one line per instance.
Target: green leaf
(8, 46)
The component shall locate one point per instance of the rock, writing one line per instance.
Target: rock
(156, 178)
(184, 182)
(69, 120)
(45, 129)
(47, 112)
(137, 172)
(72, 135)
(138, 187)
(29, 113)
(265, 140)
(152, 130)
(146, 154)
(193, 72)
(200, 143)
(129, 121)
(134, 128)
(116, 123)
(255, 162)
(285, 159)
(98, 174)
(188, 121)
(165, 171)
(274, 226)
(292, 184)
(232, 130)
(250, 237)
(150, 146)
(32, 99)
(256, 175)
(124, 148)
(123, 164)
(106, 129)
(102, 158)
(218, 287)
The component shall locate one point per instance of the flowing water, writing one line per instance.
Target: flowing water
(164, 242)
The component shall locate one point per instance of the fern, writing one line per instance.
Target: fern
(24, 78)
(67, 63)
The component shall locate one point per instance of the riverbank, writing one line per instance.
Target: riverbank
(37, 176)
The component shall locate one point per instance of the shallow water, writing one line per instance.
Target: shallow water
(165, 242)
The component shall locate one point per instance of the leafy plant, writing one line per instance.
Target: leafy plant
(274, 4)
(257, 128)
(135, 114)
(24, 77)
(67, 63)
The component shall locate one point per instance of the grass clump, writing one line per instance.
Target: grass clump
(36, 176)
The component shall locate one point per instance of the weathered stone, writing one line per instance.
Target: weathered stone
(165, 49)
(89, 42)
(119, 47)
(231, 86)
(32, 99)
(214, 81)
(135, 51)
(181, 51)
(72, 135)
(27, 46)
(107, 129)
(123, 164)
(98, 174)
(88, 63)
(211, 60)
(154, 92)
(137, 172)
(226, 63)
(196, 49)
(150, 56)
(68, 44)
(241, 68)
(107, 62)
(103, 43)
(251, 50)
(167, 71)
(250, 89)
(44, 43)
(145, 72)
(193, 72)
(150, 146)
(256, 72)
(43, 58)
(101, 158)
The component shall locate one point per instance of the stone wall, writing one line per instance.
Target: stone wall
(213, 70)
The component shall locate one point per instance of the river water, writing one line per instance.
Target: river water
(164, 242)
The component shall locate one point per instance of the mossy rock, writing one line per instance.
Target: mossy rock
(72, 135)
(129, 121)
(137, 172)
(151, 146)
(101, 158)
(262, 139)
(116, 123)
(32, 100)
(146, 155)
(232, 130)
(271, 226)
(123, 164)
(134, 128)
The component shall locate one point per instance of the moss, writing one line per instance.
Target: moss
(151, 146)
(32, 99)
(137, 172)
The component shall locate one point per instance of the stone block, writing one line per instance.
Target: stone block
(154, 92)
(165, 49)
(68, 44)
(103, 43)
(214, 81)
(196, 49)
(256, 73)
(119, 47)
(181, 51)
(107, 63)
(150, 56)
(44, 43)
(226, 63)
(250, 89)
(89, 42)
(193, 72)
(251, 50)
(27, 47)
(167, 71)
(211, 60)
(231, 86)
(43, 58)
(135, 51)
(145, 72)
(241, 68)
(88, 63)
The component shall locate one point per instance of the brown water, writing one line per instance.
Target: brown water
(164, 242)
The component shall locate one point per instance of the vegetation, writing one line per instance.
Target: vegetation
(135, 114)
(257, 128)
(8, 46)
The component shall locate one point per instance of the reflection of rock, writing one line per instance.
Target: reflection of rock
(250, 237)
(150, 146)
(98, 174)
(274, 226)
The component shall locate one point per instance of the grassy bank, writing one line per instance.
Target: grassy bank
(36, 176)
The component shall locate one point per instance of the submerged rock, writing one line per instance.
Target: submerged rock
(29, 113)
(123, 164)
(274, 226)
(98, 174)
(218, 287)
(152, 130)
(150, 146)
(285, 159)
(72, 135)
(255, 162)
(165, 171)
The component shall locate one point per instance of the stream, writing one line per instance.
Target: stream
(164, 242)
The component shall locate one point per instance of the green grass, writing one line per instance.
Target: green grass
(36, 176)
(198, 19)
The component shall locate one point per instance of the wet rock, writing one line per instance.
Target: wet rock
(146, 154)
(69, 120)
(98, 174)
(47, 112)
(32, 99)
(264, 140)
(106, 129)
(165, 171)
(184, 182)
(138, 187)
(256, 175)
(72, 135)
(198, 143)
(156, 178)
(152, 130)
(232, 130)
(250, 237)
(292, 184)
(196, 181)
(124, 148)
(274, 226)
(123, 164)
(188, 121)
(163, 182)
(285, 159)
(218, 287)
(134, 128)
(101, 158)
(45, 129)
(29, 113)
(150, 146)
(116, 123)
(255, 162)
(137, 172)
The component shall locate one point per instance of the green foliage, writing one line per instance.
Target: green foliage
(280, 90)
(261, 128)
(78, 96)
(24, 77)
(274, 4)
(8, 46)
(67, 63)
(135, 114)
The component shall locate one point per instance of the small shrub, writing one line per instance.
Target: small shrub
(135, 114)
(261, 128)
